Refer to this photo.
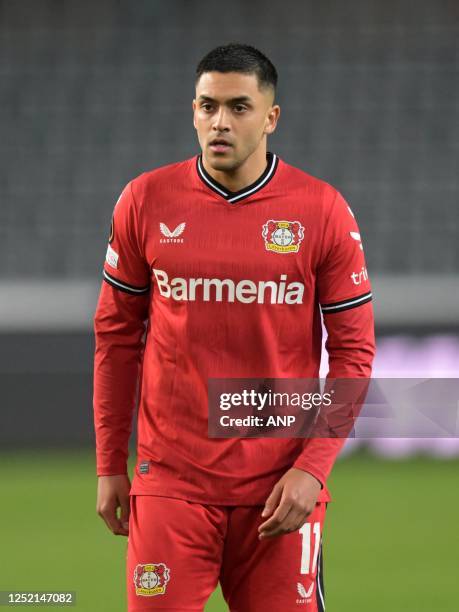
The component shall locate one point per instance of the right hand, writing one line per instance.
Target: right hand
(113, 493)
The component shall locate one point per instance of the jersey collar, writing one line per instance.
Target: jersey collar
(236, 196)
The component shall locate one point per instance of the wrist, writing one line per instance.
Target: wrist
(312, 477)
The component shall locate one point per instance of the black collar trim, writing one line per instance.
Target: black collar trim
(235, 196)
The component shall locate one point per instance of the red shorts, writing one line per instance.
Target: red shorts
(179, 550)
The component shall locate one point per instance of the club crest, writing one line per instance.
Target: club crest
(151, 579)
(283, 236)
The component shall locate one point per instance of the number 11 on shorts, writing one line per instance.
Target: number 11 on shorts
(305, 532)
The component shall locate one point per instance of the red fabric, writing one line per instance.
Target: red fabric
(231, 330)
(187, 547)
(351, 347)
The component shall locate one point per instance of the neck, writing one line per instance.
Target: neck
(242, 176)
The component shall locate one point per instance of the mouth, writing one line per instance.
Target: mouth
(220, 145)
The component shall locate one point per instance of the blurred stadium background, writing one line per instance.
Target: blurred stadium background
(92, 95)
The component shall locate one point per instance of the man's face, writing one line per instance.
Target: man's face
(232, 116)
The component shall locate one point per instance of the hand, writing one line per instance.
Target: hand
(113, 493)
(292, 500)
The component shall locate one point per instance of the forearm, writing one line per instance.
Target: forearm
(351, 349)
(115, 391)
(119, 329)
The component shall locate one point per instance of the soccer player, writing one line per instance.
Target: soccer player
(222, 266)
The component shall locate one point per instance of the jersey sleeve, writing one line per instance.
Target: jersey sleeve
(345, 297)
(125, 267)
(119, 327)
(342, 277)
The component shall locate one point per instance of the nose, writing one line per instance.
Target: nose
(221, 121)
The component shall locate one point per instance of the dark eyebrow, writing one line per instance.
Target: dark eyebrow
(237, 100)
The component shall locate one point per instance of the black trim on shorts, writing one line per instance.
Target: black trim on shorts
(320, 590)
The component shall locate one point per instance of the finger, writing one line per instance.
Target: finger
(295, 522)
(120, 529)
(282, 528)
(125, 510)
(279, 515)
(292, 522)
(296, 519)
(272, 501)
(301, 518)
(108, 513)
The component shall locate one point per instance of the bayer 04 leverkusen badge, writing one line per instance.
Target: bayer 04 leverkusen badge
(151, 579)
(283, 236)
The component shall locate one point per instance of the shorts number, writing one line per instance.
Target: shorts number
(306, 547)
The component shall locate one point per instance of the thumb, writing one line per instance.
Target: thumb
(272, 501)
(124, 514)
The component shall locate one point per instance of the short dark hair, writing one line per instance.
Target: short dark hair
(236, 57)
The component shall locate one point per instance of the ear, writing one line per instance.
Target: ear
(271, 119)
(194, 105)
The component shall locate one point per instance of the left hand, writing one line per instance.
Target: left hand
(292, 500)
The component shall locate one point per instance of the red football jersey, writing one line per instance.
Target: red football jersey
(226, 285)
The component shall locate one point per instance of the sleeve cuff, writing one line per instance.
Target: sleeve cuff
(353, 302)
